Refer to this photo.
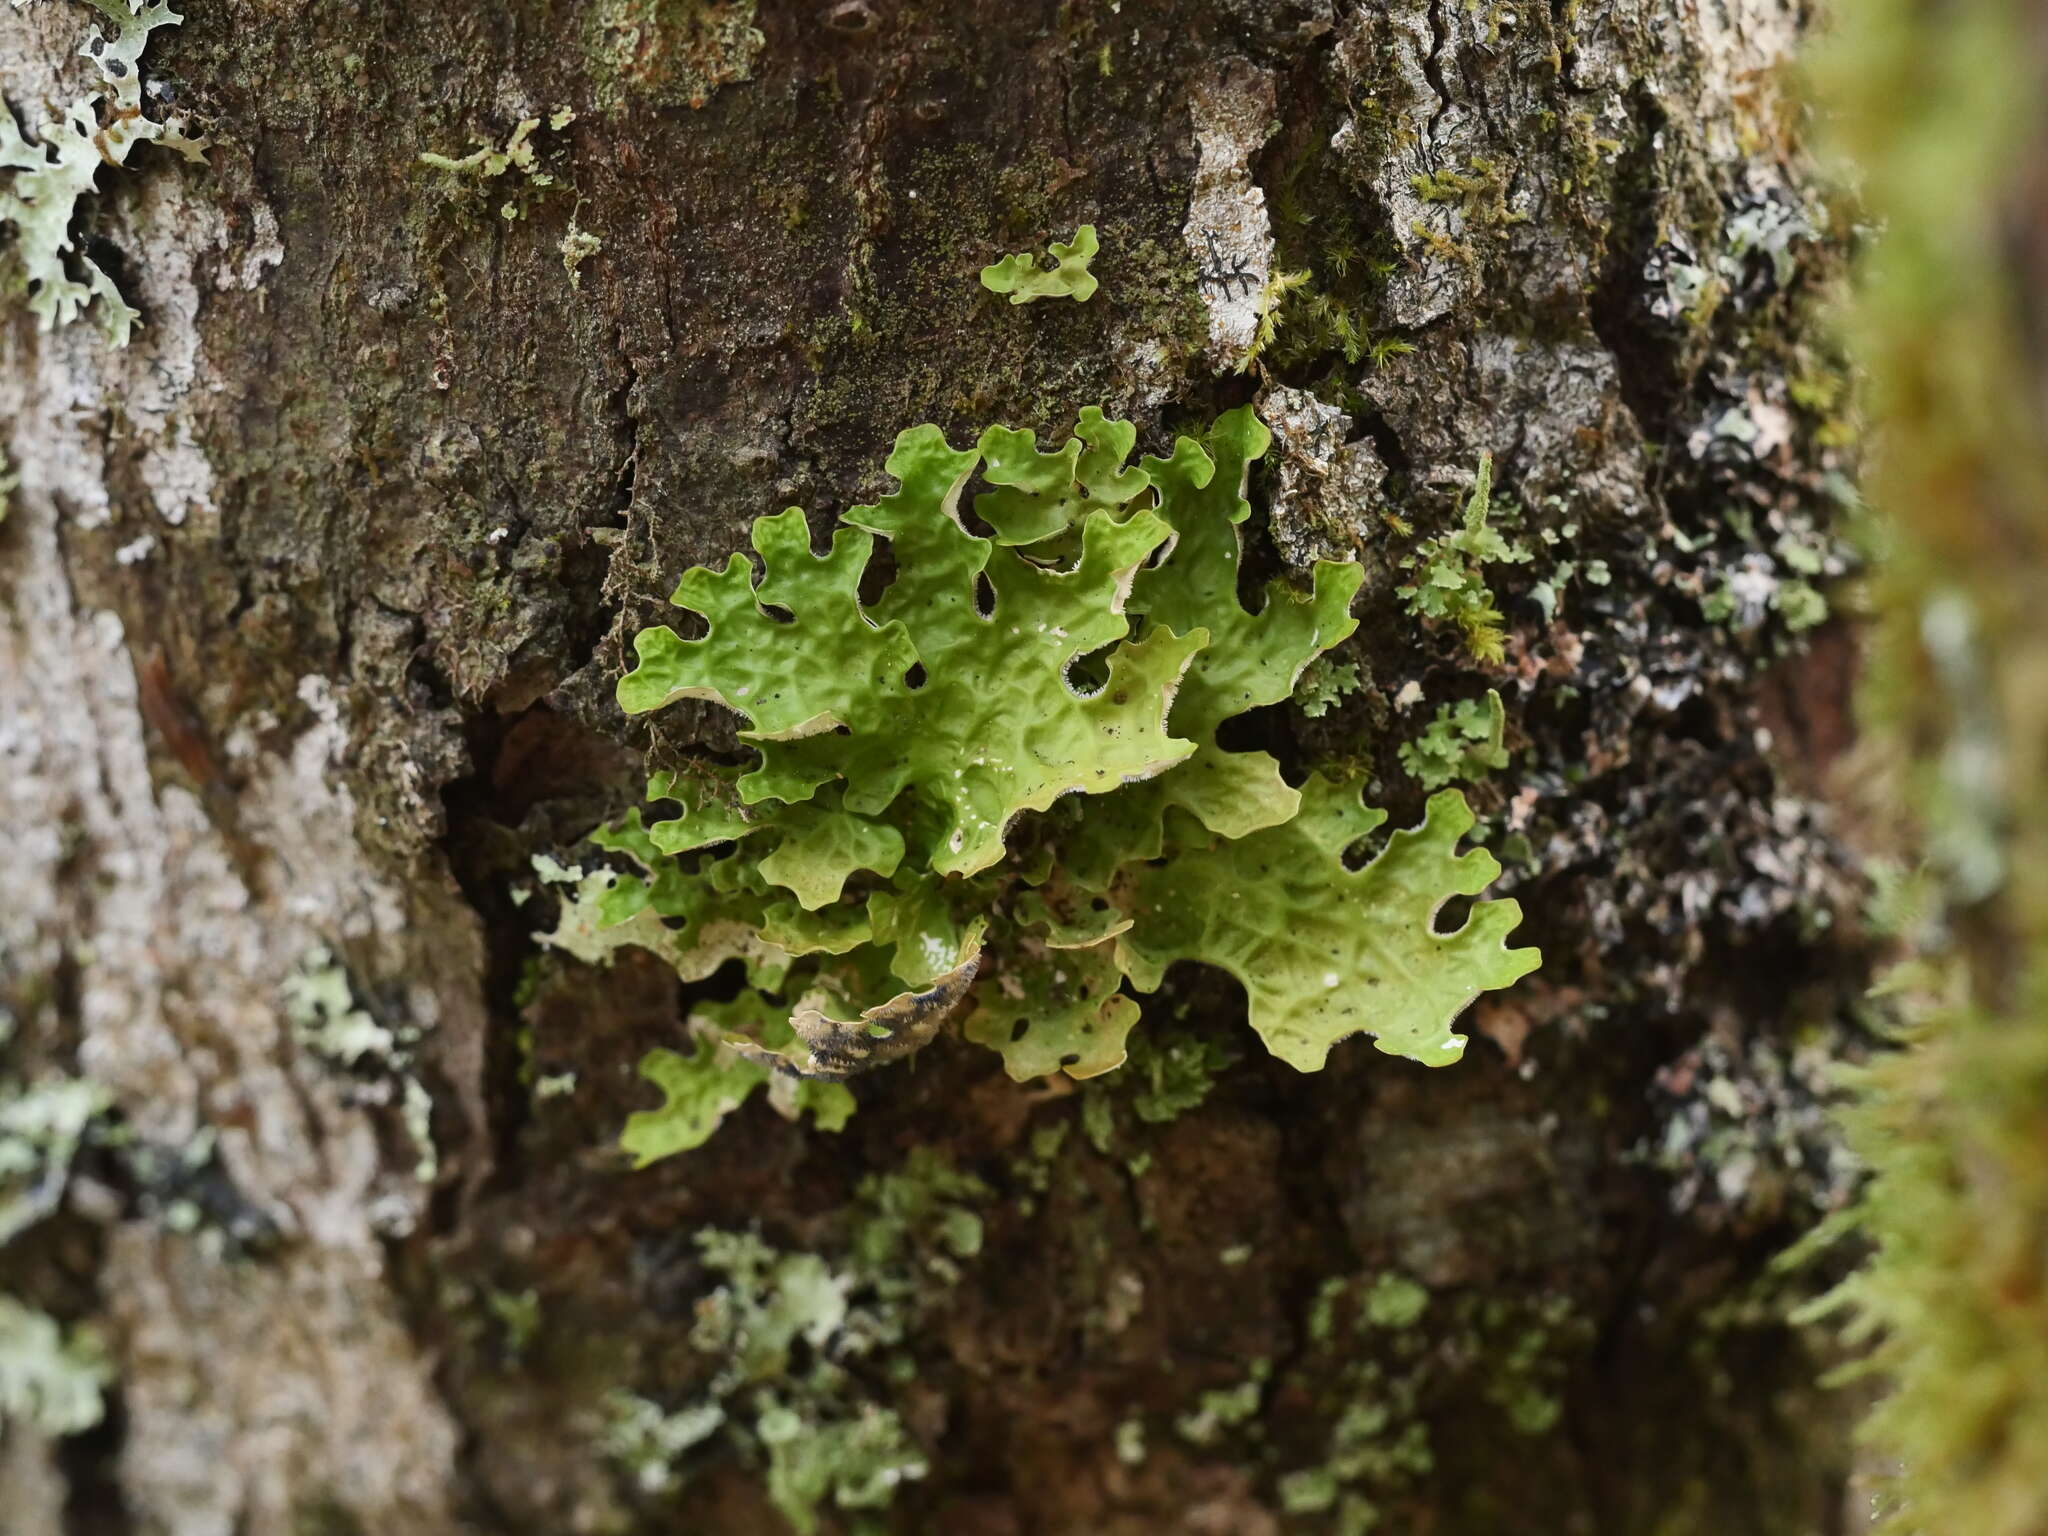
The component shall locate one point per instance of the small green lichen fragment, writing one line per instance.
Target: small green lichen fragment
(50, 1380)
(1395, 1301)
(702, 1088)
(578, 246)
(56, 166)
(1021, 277)
(1218, 1411)
(325, 1019)
(1449, 583)
(858, 1462)
(650, 1442)
(1324, 685)
(1130, 1442)
(488, 161)
(1324, 951)
(1465, 740)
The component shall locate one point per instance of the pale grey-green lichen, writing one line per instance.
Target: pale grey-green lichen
(50, 1380)
(328, 1023)
(42, 1125)
(55, 165)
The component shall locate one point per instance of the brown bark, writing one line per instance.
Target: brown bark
(311, 602)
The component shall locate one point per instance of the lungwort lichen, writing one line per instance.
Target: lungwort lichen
(996, 788)
(56, 166)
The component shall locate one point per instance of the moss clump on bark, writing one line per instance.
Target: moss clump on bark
(1943, 113)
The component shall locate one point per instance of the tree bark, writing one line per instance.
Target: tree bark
(311, 603)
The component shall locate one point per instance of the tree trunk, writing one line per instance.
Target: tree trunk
(312, 599)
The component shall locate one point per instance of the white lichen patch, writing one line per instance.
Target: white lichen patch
(55, 164)
(1228, 231)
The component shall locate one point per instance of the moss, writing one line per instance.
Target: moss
(1944, 116)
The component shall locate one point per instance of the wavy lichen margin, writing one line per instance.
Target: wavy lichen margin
(56, 165)
(995, 789)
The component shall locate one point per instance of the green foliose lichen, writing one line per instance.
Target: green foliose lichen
(1448, 584)
(55, 165)
(1021, 277)
(52, 1380)
(1465, 740)
(702, 1088)
(997, 788)
(802, 1345)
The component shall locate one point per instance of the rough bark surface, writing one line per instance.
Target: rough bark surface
(311, 601)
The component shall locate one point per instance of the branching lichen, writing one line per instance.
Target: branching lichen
(1449, 584)
(489, 161)
(1465, 740)
(797, 1339)
(56, 163)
